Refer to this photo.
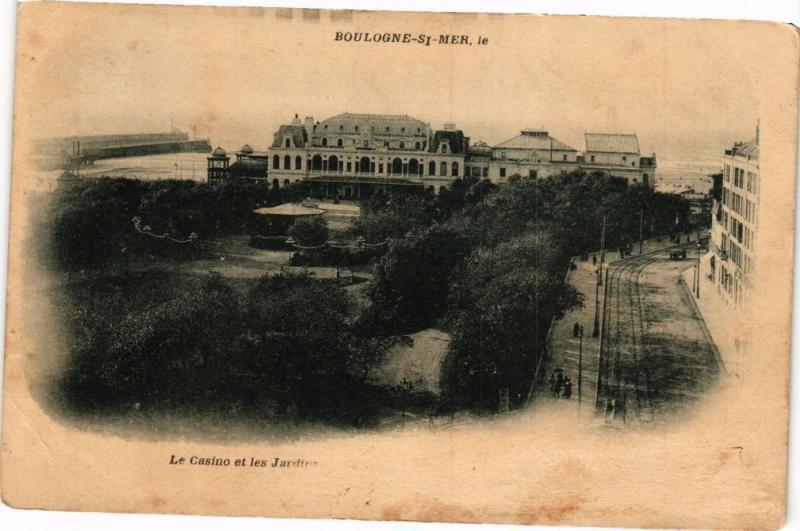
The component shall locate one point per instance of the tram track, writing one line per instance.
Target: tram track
(624, 383)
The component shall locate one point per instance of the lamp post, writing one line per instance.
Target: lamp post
(599, 274)
(580, 365)
(698, 269)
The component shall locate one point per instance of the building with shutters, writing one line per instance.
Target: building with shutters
(734, 225)
(351, 155)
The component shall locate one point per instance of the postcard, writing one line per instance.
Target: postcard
(402, 266)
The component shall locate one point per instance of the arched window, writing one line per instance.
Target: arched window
(402, 145)
(333, 163)
(444, 148)
(443, 169)
(324, 141)
(455, 169)
(316, 162)
(298, 162)
(413, 167)
(286, 182)
(397, 166)
(276, 162)
(275, 184)
(339, 142)
(416, 145)
(364, 165)
(288, 143)
(431, 168)
(287, 162)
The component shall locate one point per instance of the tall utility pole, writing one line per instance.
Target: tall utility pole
(641, 227)
(698, 268)
(603, 243)
(599, 282)
(580, 365)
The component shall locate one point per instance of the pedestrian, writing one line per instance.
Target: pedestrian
(559, 383)
(552, 382)
(567, 393)
(575, 329)
(594, 259)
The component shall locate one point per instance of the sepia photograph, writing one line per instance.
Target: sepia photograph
(453, 267)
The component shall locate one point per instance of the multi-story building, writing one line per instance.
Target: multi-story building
(618, 155)
(734, 225)
(352, 155)
(533, 153)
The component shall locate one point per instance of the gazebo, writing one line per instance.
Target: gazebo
(291, 210)
(279, 218)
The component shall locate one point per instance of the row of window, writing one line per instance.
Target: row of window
(624, 160)
(732, 200)
(741, 179)
(731, 285)
(365, 165)
(340, 142)
(387, 130)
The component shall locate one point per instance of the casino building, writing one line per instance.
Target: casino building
(351, 155)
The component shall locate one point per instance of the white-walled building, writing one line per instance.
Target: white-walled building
(618, 155)
(351, 155)
(734, 226)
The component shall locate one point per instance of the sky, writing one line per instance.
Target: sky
(236, 75)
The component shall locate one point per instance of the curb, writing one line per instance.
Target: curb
(699, 315)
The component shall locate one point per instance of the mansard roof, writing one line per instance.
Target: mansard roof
(381, 124)
(296, 132)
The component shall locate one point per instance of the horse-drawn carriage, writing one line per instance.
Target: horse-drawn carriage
(677, 254)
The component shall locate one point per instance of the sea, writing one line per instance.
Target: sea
(675, 172)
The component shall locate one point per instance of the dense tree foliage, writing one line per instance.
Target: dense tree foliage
(309, 231)
(164, 341)
(502, 301)
(487, 263)
(484, 262)
(90, 227)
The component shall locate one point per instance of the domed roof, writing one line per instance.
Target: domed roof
(246, 149)
(219, 152)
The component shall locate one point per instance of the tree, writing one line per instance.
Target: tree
(410, 284)
(501, 304)
(309, 231)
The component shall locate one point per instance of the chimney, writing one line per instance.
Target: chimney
(309, 126)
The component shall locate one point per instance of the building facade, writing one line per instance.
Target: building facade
(734, 226)
(618, 155)
(533, 153)
(351, 155)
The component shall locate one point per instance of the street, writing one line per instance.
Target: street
(652, 356)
